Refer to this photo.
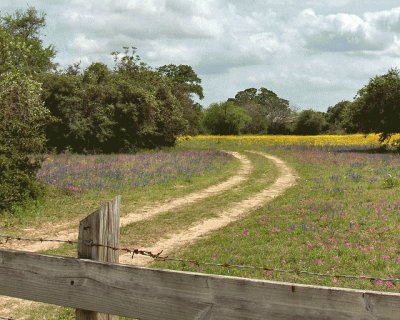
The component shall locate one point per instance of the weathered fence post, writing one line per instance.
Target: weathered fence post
(101, 227)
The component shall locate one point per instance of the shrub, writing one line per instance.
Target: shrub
(22, 117)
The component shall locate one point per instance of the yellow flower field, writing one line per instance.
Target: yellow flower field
(320, 140)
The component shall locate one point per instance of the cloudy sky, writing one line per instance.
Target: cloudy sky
(311, 52)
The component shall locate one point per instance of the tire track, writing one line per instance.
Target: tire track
(287, 178)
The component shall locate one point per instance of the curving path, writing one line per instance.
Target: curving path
(287, 178)
(143, 213)
(7, 304)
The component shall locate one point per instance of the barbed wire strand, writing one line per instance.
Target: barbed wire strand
(158, 256)
(8, 238)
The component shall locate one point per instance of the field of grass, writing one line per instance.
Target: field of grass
(77, 185)
(343, 216)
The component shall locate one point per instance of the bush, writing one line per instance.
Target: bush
(225, 118)
(22, 118)
(310, 122)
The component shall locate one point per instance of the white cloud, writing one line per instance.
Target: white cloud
(312, 52)
(388, 20)
(340, 32)
(83, 44)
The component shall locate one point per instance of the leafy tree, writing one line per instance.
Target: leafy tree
(185, 76)
(310, 122)
(103, 110)
(377, 105)
(340, 118)
(22, 139)
(22, 115)
(225, 118)
(186, 85)
(267, 111)
(21, 47)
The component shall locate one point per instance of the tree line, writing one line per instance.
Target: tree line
(375, 109)
(131, 106)
(97, 109)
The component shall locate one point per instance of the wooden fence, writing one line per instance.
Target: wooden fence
(98, 288)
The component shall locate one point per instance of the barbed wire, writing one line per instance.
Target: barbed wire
(159, 257)
(8, 238)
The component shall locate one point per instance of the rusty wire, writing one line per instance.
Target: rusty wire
(159, 257)
(5, 318)
(8, 238)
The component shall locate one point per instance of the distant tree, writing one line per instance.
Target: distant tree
(340, 118)
(258, 123)
(185, 76)
(186, 86)
(267, 111)
(21, 47)
(124, 109)
(310, 122)
(377, 105)
(225, 118)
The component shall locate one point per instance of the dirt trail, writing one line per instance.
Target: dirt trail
(8, 305)
(287, 178)
(139, 215)
(148, 212)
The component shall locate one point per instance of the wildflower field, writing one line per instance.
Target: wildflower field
(342, 218)
(357, 141)
(127, 171)
(75, 185)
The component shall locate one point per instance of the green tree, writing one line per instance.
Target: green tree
(103, 110)
(267, 110)
(186, 87)
(310, 122)
(22, 115)
(185, 76)
(340, 118)
(377, 105)
(21, 46)
(225, 118)
(22, 138)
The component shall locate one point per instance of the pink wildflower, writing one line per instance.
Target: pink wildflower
(246, 232)
(385, 258)
(389, 284)
(379, 282)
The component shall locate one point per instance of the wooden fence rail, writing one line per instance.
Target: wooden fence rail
(147, 293)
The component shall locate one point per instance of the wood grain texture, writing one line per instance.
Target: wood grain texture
(162, 294)
(101, 227)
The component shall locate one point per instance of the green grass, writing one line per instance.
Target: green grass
(147, 232)
(60, 206)
(342, 218)
(46, 312)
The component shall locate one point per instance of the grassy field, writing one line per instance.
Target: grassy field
(77, 185)
(343, 217)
